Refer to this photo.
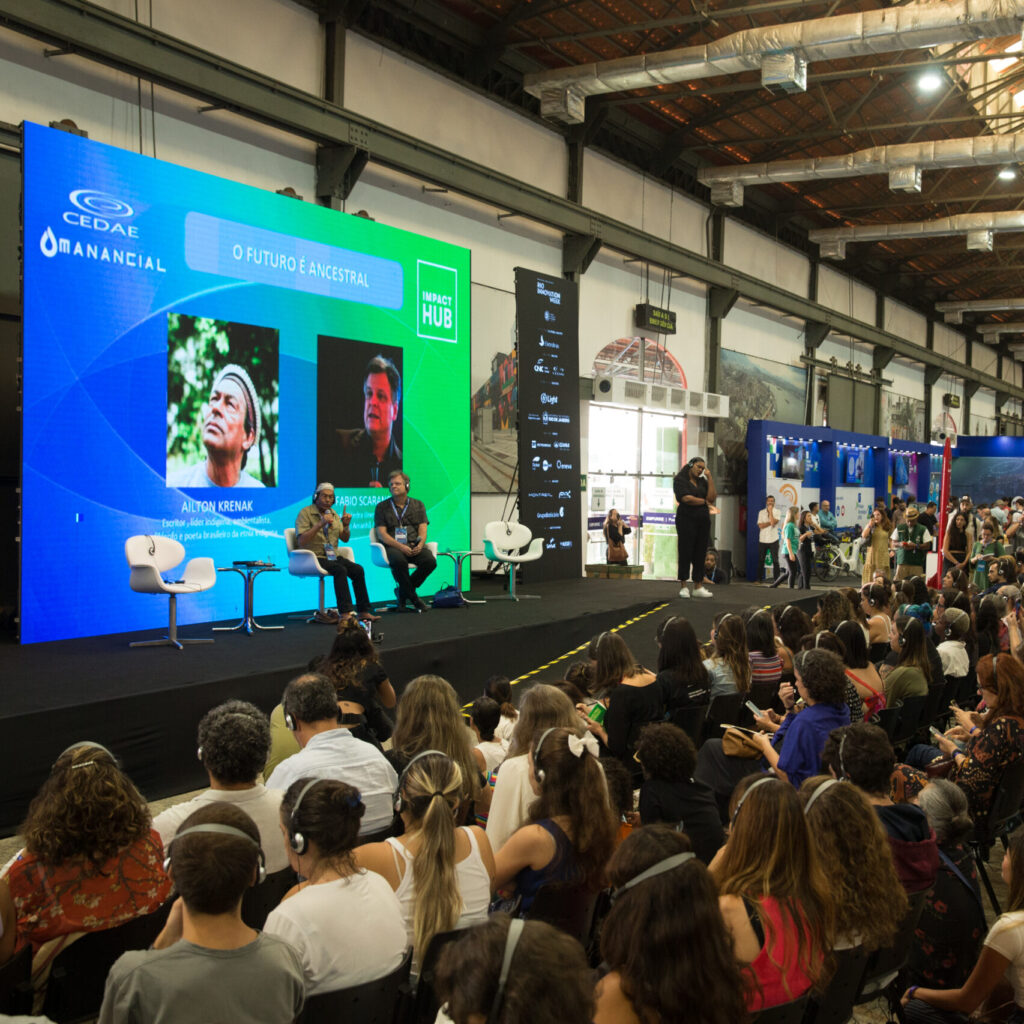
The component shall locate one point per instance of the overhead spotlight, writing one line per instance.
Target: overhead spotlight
(1007, 173)
(929, 81)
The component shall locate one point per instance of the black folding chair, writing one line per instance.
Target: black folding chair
(910, 716)
(260, 900)
(967, 693)
(949, 691)
(568, 906)
(888, 719)
(690, 720)
(1003, 817)
(375, 1002)
(929, 711)
(785, 1013)
(75, 989)
(723, 710)
(835, 1005)
(765, 696)
(882, 972)
(16, 984)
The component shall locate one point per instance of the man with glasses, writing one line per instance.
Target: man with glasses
(318, 528)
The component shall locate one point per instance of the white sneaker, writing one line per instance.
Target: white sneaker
(683, 592)
(702, 592)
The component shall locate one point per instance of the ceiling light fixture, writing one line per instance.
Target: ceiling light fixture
(929, 81)
(1007, 174)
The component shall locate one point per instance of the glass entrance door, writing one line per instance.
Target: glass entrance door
(633, 457)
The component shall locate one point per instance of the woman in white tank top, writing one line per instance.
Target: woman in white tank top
(442, 875)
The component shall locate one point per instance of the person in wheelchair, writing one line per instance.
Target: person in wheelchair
(828, 523)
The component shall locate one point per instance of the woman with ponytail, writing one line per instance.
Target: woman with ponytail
(499, 689)
(441, 874)
(322, 917)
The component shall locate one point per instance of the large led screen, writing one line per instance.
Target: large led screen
(198, 355)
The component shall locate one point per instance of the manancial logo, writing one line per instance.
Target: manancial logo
(437, 310)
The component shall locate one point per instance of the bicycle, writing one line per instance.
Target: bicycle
(830, 560)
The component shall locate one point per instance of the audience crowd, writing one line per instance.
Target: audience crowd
(746, 813)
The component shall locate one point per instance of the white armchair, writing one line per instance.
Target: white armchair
(503, 542)
(151, 556)
(379, 554)
(304, 563)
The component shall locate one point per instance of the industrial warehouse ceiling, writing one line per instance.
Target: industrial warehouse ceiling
(673, 131)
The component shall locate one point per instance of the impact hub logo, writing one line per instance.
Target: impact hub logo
(437, 312)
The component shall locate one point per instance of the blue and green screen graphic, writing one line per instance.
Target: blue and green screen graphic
(198, 355)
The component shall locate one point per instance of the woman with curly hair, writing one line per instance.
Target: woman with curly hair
(854, 854)
(571, 829)
(670, 795)
(773, 893)
(429, 718)
(990, 742)
(833, 608)
(91, 860)
(659, 961)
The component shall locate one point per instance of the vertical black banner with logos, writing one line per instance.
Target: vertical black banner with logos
(547, 315)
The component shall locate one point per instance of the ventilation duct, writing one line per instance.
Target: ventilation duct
(978, 227)
(953, 312)
(903, 163)
(991, 332)
(790, 48)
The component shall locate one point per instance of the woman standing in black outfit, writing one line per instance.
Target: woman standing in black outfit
(695, 491)
(615, 530)
(805, 553)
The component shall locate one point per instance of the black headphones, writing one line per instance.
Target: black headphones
(224, 830)
(750, 789)
(397, 800)
(515, 932)
(538, 772)
(655, 869)
(82, 764)
(289, 722)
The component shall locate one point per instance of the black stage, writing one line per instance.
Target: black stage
(144, 703)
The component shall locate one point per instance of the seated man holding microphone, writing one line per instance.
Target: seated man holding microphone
(319, 529)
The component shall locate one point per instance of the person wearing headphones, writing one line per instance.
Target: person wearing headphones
(233, 745)
(320, 530)
(91, 859)
(695, 493)
(207, 964)
(329, 751)
(660, 962)
(322, 917)
(773, 894)
(861, 755)
(441, 874)
(570, 831)
(400, 524)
